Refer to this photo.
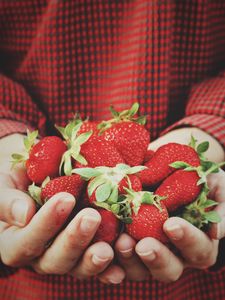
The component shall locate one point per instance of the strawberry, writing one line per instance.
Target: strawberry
(148, 155)
(109, 227)
(128, 135)
(179, 189)
(43, 158)
(200, 213)
(147, 216)
(99, 152)
(71, 184)
(107, 183)
(130, 181)
(89, 126)
(74, 141)
(158, 167)
(85, 125)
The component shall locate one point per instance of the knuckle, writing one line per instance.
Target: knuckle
(91, 270)
(206, 259)
(71, 240)
(202, 258)
(74, 241)
(84, 241)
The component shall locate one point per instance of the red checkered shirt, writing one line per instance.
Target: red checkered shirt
(60, 57)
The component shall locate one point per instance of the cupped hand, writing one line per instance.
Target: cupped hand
(191, 248)
(194, 248)
(41, 239)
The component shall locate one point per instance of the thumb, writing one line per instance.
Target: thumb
(16, 207)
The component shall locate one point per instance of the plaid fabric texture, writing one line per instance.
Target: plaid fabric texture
(59, 57)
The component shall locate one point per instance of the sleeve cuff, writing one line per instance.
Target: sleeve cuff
(214, 125)
(9, 127)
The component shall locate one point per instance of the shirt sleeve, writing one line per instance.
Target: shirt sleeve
(206, 108)
(18, 111)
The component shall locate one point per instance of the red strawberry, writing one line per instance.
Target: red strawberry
(180, 189)
(130, 139)
(109, 227)
(148, 217)
(148, 155)
(131, 181)
(99, 152)
(71, 184)
(43, 158)
(201, 212)
(128, 135)
(158, 168)
(74, 141)
(85, 125)
(134, 184)
(89, 126)
(107, 183)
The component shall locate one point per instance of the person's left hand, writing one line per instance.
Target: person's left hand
(196, 249)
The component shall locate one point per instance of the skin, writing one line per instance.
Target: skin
(52, 250)
(197, 250)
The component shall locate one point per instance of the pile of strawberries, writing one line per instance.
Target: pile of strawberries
(108, 166)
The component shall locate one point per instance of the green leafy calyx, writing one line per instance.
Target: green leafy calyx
(74, 142)
(123, 116)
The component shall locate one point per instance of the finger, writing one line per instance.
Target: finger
(112, 275)
(161, 262)
(195, 246)
(216, 182)
(70, 244)
(94, 261)
(131, 263)
(20, 177)
(20, 245)
(15, 177)
(217, 230)
(16, 207)
(6, 181)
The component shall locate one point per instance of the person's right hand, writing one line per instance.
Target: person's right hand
(36, 239)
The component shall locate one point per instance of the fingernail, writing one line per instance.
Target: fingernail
(127, 253)
(175, 232)
(149, 255)
(88, 223)
(99, 260)
(19, 211)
